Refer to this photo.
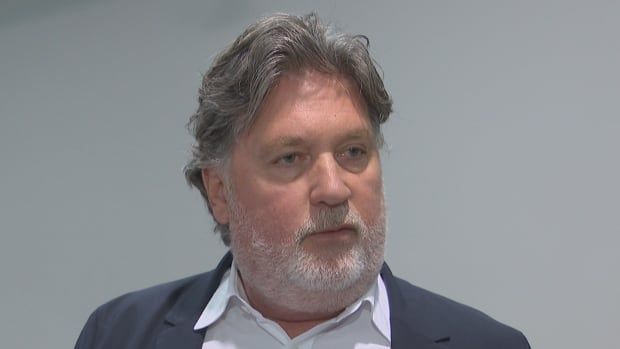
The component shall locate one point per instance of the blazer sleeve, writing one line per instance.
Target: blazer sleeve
(87, 338)
(526, 344)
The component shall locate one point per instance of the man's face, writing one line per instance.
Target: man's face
(305, 199)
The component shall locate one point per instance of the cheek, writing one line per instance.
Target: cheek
(277, 211)
(370, 207)
(369, 200)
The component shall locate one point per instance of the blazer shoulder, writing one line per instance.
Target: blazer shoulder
(462, 323)
(159, 296)
(138, 314)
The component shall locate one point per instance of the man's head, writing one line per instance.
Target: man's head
(287, 157)
(241, 76)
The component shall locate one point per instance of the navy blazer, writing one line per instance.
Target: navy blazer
(163, 317)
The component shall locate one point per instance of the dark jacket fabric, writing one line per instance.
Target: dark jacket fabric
(163, 317)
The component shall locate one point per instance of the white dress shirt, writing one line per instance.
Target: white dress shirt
(234, 324)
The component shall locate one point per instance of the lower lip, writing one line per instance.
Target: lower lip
(341, 234)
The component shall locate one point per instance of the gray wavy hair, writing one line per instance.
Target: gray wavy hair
(241, 76)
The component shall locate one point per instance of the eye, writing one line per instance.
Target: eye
(354, 158)
(287, 166)
(355, 152)
(289, 159)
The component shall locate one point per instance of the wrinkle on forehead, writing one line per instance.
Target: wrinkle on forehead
(309, 82)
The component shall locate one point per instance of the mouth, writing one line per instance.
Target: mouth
(337, 229)
(341, 232)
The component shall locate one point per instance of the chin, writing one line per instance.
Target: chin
(328, 288)
(333, 271)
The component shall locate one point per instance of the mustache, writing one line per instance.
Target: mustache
(329, 219)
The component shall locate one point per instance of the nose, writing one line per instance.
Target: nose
(328, 183)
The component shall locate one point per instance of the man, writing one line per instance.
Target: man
(287, 158)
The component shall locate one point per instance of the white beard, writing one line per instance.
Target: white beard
(308, 281)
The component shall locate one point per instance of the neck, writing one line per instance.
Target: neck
(293, 322)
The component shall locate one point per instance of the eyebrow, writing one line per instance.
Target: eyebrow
(282, 142)
(295, 141)
(358, 133)
(287, 141)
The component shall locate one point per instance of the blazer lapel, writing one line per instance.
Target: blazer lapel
(404, 319)
(178, 330)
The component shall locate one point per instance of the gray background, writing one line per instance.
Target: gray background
(501, 174)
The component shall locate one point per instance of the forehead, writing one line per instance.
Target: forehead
(309, 101)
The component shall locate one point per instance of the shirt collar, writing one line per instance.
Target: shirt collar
(219, 302)
(230, 289)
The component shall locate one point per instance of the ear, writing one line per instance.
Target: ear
(216, 191)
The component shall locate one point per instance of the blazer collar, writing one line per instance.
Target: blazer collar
(179, 332)
(407, 326)
(407, 321)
